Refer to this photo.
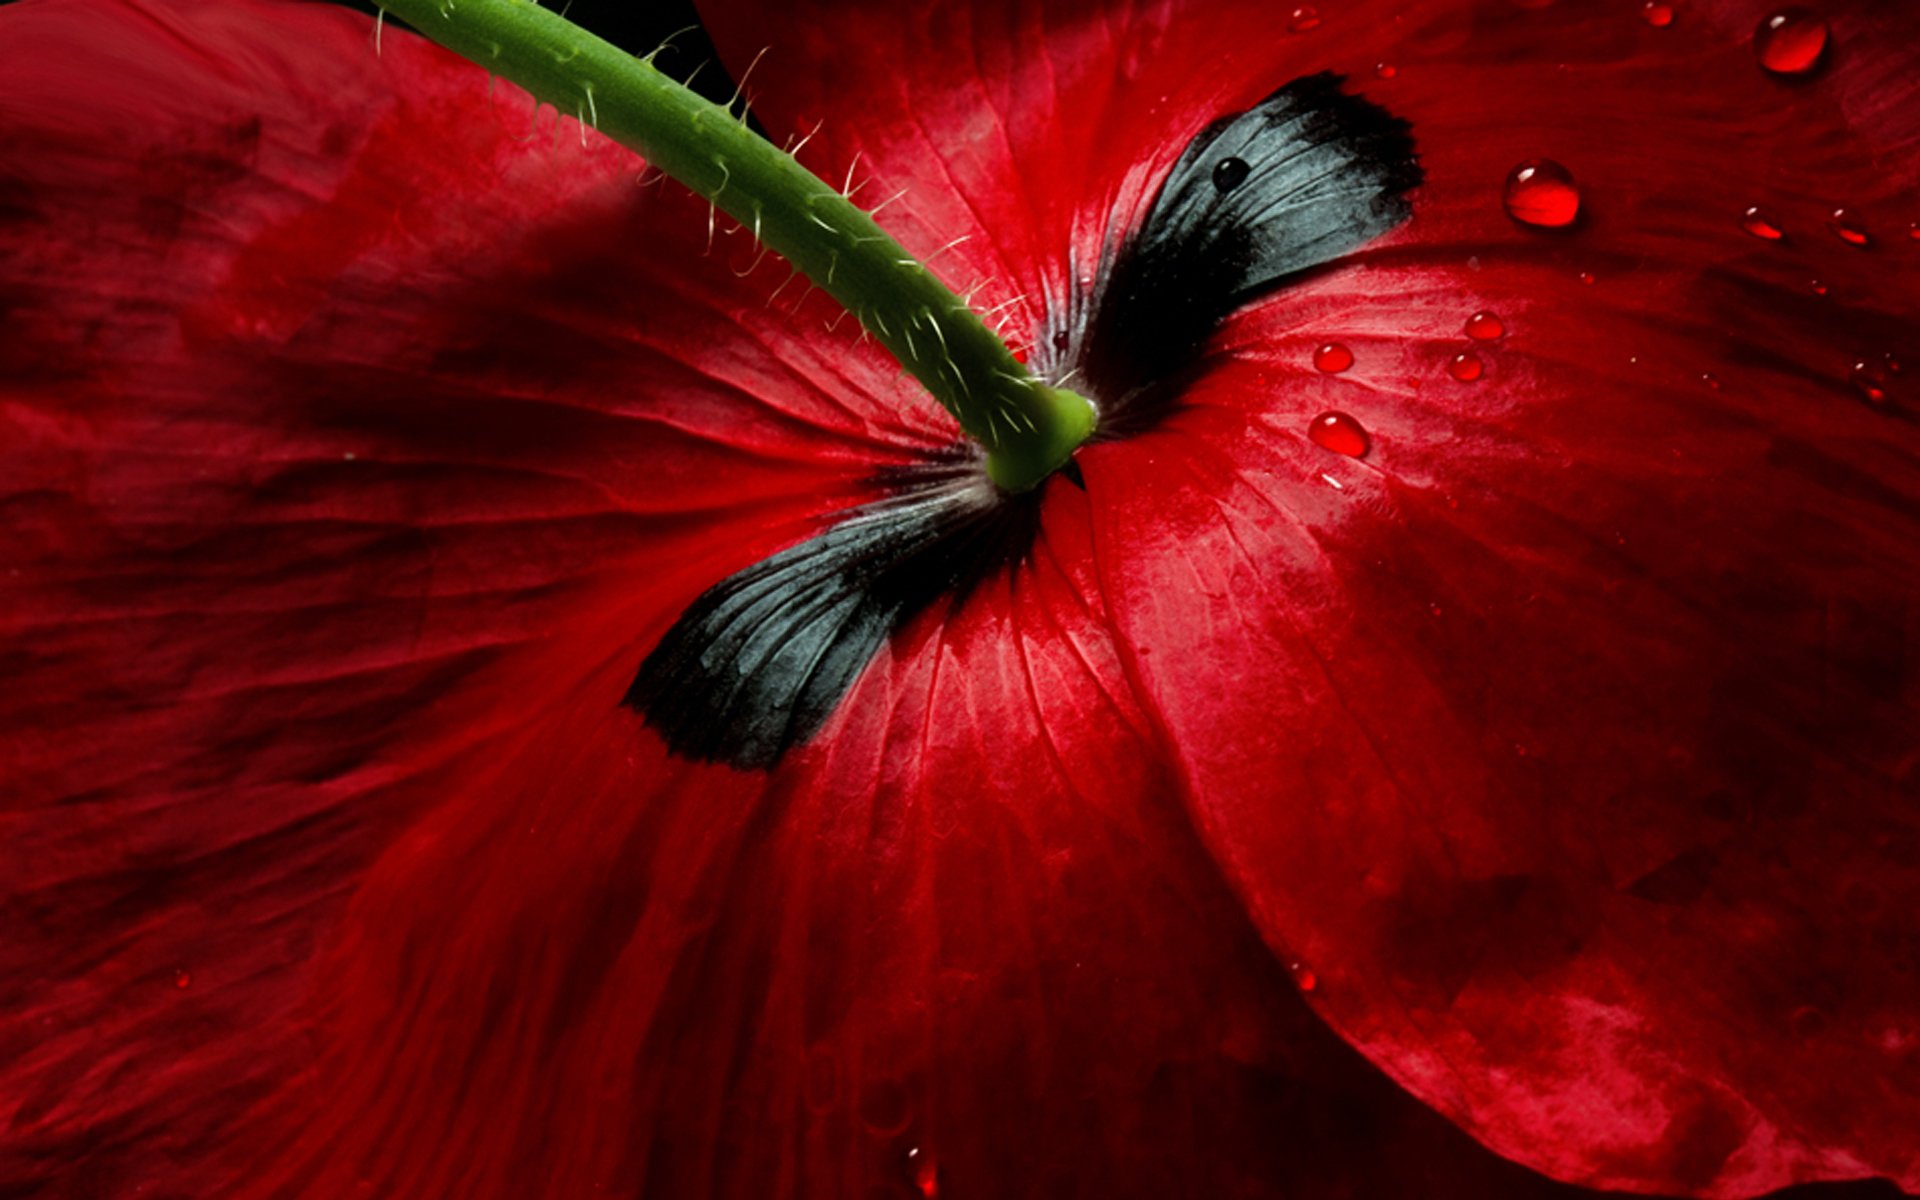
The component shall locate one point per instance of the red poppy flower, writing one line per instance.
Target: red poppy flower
(1545, 727)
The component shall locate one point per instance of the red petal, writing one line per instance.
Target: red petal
(361, 448)
(328, 389)
(1570, 734)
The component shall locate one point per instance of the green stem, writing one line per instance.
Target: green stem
(1028, 428)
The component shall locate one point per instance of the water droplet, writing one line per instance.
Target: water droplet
(1388, 71)
(1819, 288)
(1808, 1021)
(182, 979)
(1713, 385)
(1791, 41)
(1870, 382)
(1303, 976)
(1340, 433)
(1466, 366)
(1541, 193)
(1484, 326)
(1657, 14)
(1304, 18)
(1892, 364)
(1587, 278)
(885, 1107)
(1061, 341)
(1759, 224)
(925, 1172)
(1230, 173)
(1913, 231)
(1333, 358)
(1849, 228)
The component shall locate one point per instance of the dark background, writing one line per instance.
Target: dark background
(640, 26)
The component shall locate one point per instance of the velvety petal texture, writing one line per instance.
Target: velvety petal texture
(363, 430)
(1569, 732)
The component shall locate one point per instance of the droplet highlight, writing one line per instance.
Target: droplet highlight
(183, 979)
(1849, 228)
(1485, 326)
(1340, 433)
(1790, 41)
(1756, 222)
(1388, 71)
(1303, 976)
(1542, 193)
(1870, 382)
(1466, 367)
(1304, 18)
(1230, 173)
(1657, 14)
(1333, 358)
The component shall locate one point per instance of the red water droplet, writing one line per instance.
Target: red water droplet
(1759, 224)
(1304, 18)
(1913, 231)
(1388, 71)
(1808, 1021)
(1870, 382)
(1303, 976)
(1466, 367)
(182, 979)
(1657, 14)
(1333, 358)
(1587, 278)
(1849, 228)
(1713, 385)
(1541, 193)
(1484, 326)
(925, 1172)
(1892, 364)
(1791, 41)
(1340, 433)
(1819, 288)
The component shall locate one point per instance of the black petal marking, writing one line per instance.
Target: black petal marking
(757, 664)
(1298, 180)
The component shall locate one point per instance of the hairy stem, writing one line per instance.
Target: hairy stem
(1028, 428)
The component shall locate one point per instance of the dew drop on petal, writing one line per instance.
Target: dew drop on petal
(1808, 1021)
(1656, 14)
(1541, 193)
(1790, 41)
(1388, 71)
(1756, 222)
(1466, 367)
(1870, 382)
(1913, 231)
(1061, 341)
(924, 1170)
(1713, 384)
(1819, 288)
(1340, 433)
(1230, 173)
(182, 979)
(1849, 228)
(1303, 976)
(1485, 326)
(1587, 278)
(1304, 18)
(1333, 358)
